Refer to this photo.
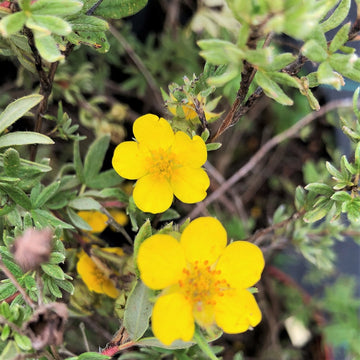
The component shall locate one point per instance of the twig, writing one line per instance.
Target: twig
(293, 131)
(13, 279)
(140, 65)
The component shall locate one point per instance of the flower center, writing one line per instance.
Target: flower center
(201, 284)
(162, 163)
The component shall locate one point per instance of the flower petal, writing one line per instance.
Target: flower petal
(191, 152)
(241, 264)
(189, 184)
(153, 194)
(236, 311)
(160, 260)
(129, 160)
(203, 240)
(153, 132)
(172, 319)
(95, 219)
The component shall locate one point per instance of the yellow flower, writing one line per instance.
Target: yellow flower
(163, 163)
(202, 279)
(95, 275)
(95, 219)
(98, 221)
(188, 108)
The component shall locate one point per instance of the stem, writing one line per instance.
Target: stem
(204, 345)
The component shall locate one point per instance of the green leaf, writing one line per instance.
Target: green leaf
(284, 79)
(56, 7)
(337, 175)
(169, 214)
(11, 24)
(56, 258)
(326, 75)
(138, 311)
(7, 290)
(218, 52)
(92, 356)
(320, 211)
(105, 179)
(65, 285)
(337, 17)
(272, 89)
(85, 203)
(352, 208)
(86, 23)
(54, 271)
(5, 332)
(115, 193)
(45, 218)
(118, 9)
(95, 157)
(79, 168)
(144, 232)
(77, 220)
(17, 109)
(13, 268)
(96, 39)
(299, 198)
(314, 51)
(341, 196)
(24, 138)
(22, 341)
(10, 352)
(49, 24)
(213, 146)
(340, 38)
(47, 47)
(45, 195)
(32, 165)
(17, 195)
(278, 62)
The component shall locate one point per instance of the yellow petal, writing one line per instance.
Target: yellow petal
(153, 194)
(172, 319)
(95, 219)
(114, 250)
(203, 239)
(241, 264)
(236, 311)
(161, 261)
(153, 132)
(204, 314)
(119, 216)
(189, 184)
(129, 160)
(94, 278)
(191, 152)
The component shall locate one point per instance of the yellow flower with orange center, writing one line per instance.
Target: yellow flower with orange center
(202, 280)
(164, 164)
(96, 275)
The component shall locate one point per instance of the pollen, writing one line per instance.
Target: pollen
(201, 284)
(162, 163)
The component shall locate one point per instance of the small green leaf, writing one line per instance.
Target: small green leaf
(24, 138)
(65, 285)
(54, 271)
(45, 195)
(314, 51)
(138, 311)
(320, 211)
(11, 24)
(299, 198)
(49, 24)
(22, 341)
(17, 195)
(337, 175)
(95, 157)
(45, 218)
(340, 38)
(326, 75)
(47, 47)
(56, 258)
(56, 7)
(96, 39)
(144, 232)
(5, 332)
(85, 203)
(86, 23)
(352, 208)
(213, 146)
(337, 17)
(77, 220)
(10, 352)
(341, 196)
(92, 356)
(272, 89)
(17, 109)
(118, 9)
(217, 52)
(79, 168)
(278, 62)
(169, 214)
(105, 179)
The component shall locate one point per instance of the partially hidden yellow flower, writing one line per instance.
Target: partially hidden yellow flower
(164, 164)
(98, 221)
(202, 280)
(95, 275)
(188, 108)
